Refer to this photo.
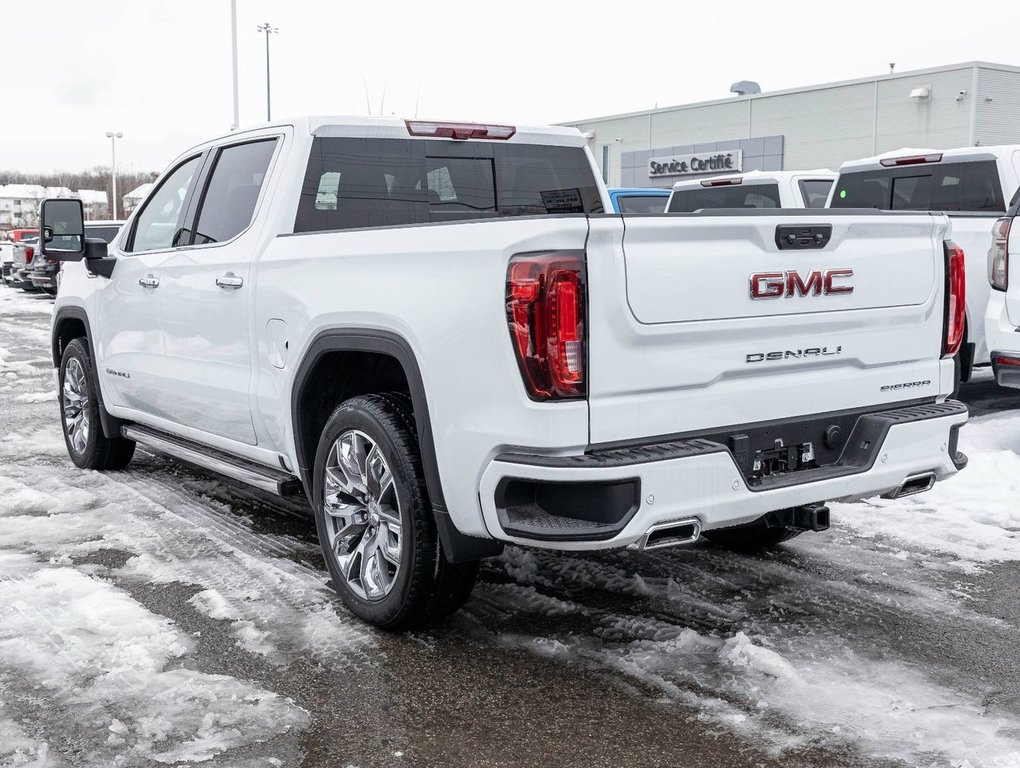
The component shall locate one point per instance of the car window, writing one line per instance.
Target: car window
(459, 187)
(733, 196)
(963, 187)
(642, 203)
(228, 204)
(355, 183)
(815, 192)
(161, 218)
(106, 233)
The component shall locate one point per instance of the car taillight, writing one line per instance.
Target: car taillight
(29, 253)
(998, 255)
(545, 309)
(956, 299)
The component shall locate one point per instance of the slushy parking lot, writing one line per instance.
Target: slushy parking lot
(161, 616)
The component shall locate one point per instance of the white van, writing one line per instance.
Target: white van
(754, 189)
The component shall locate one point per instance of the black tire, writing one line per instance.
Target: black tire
(425, 587)
(752, 537)
(96, 450)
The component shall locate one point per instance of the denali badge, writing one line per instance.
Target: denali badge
(772, 285)
(122, 374)
(758, 357)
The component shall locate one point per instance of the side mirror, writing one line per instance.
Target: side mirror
(62, 229)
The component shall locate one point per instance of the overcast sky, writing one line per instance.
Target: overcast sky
(159, 70)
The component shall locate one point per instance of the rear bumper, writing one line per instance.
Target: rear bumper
(45, 280)
(1004, 341)
(699, 479)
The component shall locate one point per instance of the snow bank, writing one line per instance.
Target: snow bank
(973, 517)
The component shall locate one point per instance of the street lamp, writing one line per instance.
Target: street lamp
(269, 29)
(113, 136)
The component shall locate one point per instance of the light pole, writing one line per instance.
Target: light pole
(113, 136)
(233, 60)
(269, 29)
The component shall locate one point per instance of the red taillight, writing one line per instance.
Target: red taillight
(1008, 361)
(998, 255)
(721, 182)
(892, 162)
(460, 131)
(29, 253)
(956, 299)
(545, 307)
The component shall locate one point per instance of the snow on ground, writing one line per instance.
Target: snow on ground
(791, 651)
(792, 682)
(973, 517)
(74, 641)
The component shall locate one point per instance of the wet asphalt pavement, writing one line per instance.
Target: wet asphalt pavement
(839, 649)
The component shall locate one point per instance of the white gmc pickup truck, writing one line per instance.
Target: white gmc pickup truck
(435, 333)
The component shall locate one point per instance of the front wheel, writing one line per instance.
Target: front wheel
(375, 521)
(86, 444)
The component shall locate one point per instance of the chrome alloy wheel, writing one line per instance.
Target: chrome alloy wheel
(75, 399)
(362, 514)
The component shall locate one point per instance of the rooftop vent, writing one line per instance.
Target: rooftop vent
(745, 88)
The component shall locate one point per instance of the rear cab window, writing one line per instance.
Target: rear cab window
(356, 183)
(814, 192)
(642, 203)
(731, 196)
(971, 187)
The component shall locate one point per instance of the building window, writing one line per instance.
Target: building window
(605, 163)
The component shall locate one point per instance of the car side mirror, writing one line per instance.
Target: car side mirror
(62, 229)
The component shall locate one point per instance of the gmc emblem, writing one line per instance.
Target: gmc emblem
(772, 285)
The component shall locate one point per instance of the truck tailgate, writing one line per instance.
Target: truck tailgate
(703, 321)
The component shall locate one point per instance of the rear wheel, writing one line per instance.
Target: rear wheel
(375, 520)
(753, 536)
(86, 444)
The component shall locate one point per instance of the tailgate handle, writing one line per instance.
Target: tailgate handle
(797, 237)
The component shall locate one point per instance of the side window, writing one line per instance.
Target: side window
(228, 204)
(161, 218)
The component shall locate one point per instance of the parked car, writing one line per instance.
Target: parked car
(971, 184)
(45, 272)
(1002, 319)
(754, 189)
(21, 267)
(638, 199)
(7, 251)
(426, 328)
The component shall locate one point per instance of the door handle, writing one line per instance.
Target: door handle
(229, 280)
(148, 281)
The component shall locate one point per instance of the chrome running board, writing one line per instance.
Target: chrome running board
(264, 478)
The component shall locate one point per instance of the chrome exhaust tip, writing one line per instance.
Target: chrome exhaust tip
(916, 483)
(672, 534)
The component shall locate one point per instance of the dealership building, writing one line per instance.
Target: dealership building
(806, 128)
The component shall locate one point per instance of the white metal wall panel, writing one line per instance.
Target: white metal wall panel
(939, 121)
(998, 120)
(710, 123)
(822, 128)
